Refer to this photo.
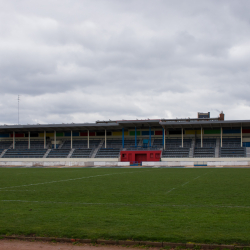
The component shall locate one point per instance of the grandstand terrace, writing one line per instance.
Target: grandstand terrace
(176, 139)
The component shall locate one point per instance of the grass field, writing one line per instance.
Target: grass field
(176, 205)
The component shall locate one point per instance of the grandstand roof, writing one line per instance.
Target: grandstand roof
(129, 124)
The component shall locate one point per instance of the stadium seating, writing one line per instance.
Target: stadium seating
(158, 143)
(231, 142)
(82, 153)
(130, 143)
(116, 143)
(80, 144)
(24, 153)
(108, 153)
(58, 153)
(176, 143)
(207, 143)
(204, 152)
(175, 152)
(5, 144)
(232, 152)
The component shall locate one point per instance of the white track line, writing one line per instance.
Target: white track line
(129, 205)
(80, 178)
(185, 183)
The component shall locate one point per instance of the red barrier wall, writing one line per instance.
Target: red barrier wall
(139, 156)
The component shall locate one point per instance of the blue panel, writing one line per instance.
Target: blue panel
(231, 131)
(246, 144)
(145, 141)
(147, 132)
(4, 135)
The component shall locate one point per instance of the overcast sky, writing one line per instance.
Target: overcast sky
(87, 60)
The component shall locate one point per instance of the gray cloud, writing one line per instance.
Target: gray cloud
(75, 61)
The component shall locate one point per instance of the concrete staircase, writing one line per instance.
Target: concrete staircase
(96, 149)
(2, 154)
(61, 145)
(217, 148)
(191, 151)
(71, 153)
(49, 145)
(47, 153)
(140, 144)
(152, 141)
(247, 152)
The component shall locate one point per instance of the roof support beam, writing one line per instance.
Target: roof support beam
(71, 140)
(88, 138)
(44, 139)
(241, 144)
(29, 141)
(54, 139)
(14, 141)
(221, 131)
(182, 137)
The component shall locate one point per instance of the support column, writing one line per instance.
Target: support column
(182, 137)
(88, 138)
(201, 138)
(221, 130)
(122, 137)
(29, 141)
(135, 138)
(241, 143)
(149, 136)
(54, 139)
(44, 139)
(71, 140)
(14, 141)
(105, 138)
(164, 138)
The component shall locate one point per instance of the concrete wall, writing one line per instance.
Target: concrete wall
(192, 163)
(58, 159)
(61, 163)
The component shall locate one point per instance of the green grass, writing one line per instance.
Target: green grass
(174, 205)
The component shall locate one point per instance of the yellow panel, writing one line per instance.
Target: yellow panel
(119, 133)
(189, 132)
(49, 134)
(192, 132)
(41, 134)
(198, 132)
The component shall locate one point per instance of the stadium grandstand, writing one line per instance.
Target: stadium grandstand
(134, 141)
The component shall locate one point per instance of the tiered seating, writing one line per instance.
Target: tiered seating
(175, 152)
(5, 144)
(108, 153)
(38, 144)
(82, 153)
(24, 153)
(204, 152)
(176, 143)
(232, 152)
(157, 143)
(230, 142)
(81, 144)
(21, 145)
(116, 143)
(207, 143)
(58, 153)
(1, 150)
(130, 143)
